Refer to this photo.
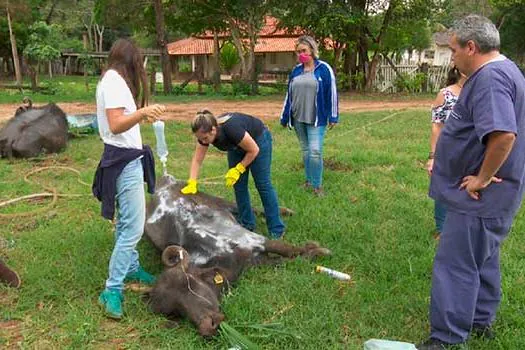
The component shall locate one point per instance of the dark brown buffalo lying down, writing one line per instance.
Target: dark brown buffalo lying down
(34, 130)
(204, 251)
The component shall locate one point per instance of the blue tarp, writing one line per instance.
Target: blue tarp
(82, 121)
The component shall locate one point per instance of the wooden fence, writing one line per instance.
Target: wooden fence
(386, 78)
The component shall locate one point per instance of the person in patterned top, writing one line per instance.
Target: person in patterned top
(441, 108)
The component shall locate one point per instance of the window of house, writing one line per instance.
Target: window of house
(429, 54)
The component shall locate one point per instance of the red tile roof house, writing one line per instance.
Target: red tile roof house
(274, 52)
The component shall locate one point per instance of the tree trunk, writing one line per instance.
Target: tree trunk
(363, 58)
(51, 12)
(100, 30)
(216, 63)
(379, 41)
(240, 49)
(161, 43)
(14, 50)
(33, 75)
(349, 66)
(50, 67)
(252, 64)
(152, 81)
(89, 37)
(86, 80)
(95, 39)
(338, 54)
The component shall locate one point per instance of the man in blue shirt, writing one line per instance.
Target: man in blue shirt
(479, 173)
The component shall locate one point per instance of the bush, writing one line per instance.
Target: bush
(229, 57)
(185, 67)
(408, 83)
(358, 80)
(240, 87)
(343, 81)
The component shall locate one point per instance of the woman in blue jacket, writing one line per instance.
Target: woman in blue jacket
(310, 106)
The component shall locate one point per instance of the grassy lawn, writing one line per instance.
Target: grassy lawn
(376, 218)
(73, 89)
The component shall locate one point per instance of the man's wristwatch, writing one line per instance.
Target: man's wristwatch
(430, 155)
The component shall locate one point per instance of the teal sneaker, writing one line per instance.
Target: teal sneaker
(111, 300)
(140, 276)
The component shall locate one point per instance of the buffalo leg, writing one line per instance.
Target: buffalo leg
(288, 250)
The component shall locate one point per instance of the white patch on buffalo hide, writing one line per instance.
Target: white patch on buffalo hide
(216, 229)
(165, 206)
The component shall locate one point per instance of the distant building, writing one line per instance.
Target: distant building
(274, 51)
(438, 54)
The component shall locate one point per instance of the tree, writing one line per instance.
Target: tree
(509, 16)
(242, 19)
(14, 22)
(42, 47)
(162, 45)
(229, 57)
(357, 27)
(16, 60)
(195, 18)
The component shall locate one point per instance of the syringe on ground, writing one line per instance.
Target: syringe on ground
(162, 148)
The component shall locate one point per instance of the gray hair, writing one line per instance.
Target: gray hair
(308, 41)
(204, 120)
(480, 30)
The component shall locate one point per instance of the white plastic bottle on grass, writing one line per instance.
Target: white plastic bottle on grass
(335, 274)
(162, 148)
(382, 344)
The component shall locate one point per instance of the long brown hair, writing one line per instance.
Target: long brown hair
(126, 59)
(453, 76)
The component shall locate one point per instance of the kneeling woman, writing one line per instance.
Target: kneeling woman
(249, 146)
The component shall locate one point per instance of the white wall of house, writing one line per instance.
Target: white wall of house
(442, 56)
(435, 56)
(278, 61)
(271, 62)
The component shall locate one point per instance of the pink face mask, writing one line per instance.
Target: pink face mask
(304, 57)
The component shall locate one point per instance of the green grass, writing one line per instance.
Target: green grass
(376, 218)
(73, 89)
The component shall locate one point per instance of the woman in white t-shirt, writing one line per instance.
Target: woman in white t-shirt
(124, 166)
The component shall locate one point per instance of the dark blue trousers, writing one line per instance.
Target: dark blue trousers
(466, 276)
(440, 212)
(261, 173)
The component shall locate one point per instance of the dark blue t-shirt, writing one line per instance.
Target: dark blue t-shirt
(231, 131)
(492, 99)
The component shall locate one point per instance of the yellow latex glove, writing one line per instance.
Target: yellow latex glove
(233, 175)
(190, 188)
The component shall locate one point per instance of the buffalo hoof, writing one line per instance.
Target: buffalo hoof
(8, 276)
(313, 249)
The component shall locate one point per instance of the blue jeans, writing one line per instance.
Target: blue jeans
(440, 212)
(261, 173)
(131, 216)
(311, 139)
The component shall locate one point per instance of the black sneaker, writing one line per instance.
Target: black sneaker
(485, 332)
(432, 344)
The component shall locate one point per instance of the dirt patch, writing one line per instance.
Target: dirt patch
(328, 163)
(11, 332)
(266, 110)
(336, 165)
